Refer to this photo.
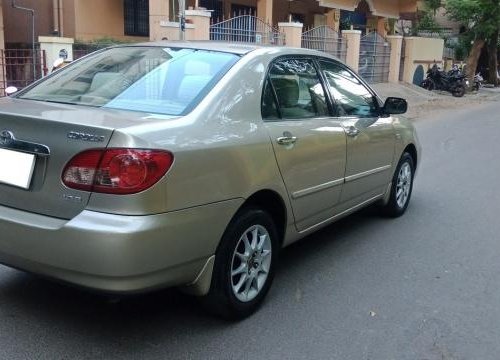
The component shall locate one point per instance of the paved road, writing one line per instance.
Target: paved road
(424, 286)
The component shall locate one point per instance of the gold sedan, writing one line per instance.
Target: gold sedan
(192, 165)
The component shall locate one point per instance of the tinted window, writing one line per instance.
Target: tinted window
(149, 79)
(351, 96)
(269, 109)
(298, 89)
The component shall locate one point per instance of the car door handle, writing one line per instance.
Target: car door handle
(286, 140)
(351, 131)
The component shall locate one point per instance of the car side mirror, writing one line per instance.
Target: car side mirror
(394, 106)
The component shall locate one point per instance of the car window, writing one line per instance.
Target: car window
(298, 89)
(269, 109)
(351, 96)
(149, 79)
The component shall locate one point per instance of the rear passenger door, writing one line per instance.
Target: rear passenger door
(309, 144)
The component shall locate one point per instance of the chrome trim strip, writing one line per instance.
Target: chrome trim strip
(367, 173)
(8, 141)
(345, 212)
(317, 188)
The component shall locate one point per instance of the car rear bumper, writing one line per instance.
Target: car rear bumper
(115, 253)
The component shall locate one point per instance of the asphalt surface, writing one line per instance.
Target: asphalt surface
(425, 286)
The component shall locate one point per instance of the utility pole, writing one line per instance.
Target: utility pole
(182, 19)
(32, 11)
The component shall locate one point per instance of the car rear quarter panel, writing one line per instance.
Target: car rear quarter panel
(221, 149)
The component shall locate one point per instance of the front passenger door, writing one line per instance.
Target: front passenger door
(370, 137)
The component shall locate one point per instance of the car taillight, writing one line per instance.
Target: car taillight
(116, 171)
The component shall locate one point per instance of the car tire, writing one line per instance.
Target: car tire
(243, 270)
(458, 91)
(401, 187)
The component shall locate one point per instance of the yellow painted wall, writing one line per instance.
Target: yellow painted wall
(421, 51)
(98, 18)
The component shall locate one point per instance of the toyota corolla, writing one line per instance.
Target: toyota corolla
(191, 165)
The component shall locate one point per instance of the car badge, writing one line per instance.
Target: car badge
(6, 137)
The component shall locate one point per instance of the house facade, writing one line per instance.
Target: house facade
(83, 20)
(140, 20)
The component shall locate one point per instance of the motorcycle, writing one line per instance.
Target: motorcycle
(478, 82)
(453, 81)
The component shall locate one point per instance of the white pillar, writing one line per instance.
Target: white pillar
(353, 39)
(396, 42)
(293, 33)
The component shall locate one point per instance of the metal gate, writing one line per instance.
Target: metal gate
(20, 67)
(374, 58)
(324, 38)
(248, 29)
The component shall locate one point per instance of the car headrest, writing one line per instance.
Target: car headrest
(103, 79)
(190, 86)
(287, 91)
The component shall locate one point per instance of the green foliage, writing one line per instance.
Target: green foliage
(97, 44)
(482, 17)
(463, 46)
(345, 24)
(427, 23)
(433, 5)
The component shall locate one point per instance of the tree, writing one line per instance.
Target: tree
(482, 18)
(433, 5)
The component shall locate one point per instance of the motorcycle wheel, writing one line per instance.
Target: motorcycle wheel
(458, 91)
(428, 84)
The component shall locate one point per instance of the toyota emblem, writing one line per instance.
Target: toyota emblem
(6, 136)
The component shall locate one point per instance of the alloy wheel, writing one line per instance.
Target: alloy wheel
(251, 263)
(403, 184)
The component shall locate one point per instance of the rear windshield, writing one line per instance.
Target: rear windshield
(159, 80)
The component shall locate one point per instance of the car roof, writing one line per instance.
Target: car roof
(231, 47)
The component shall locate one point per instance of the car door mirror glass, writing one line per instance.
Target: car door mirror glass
(394, 105)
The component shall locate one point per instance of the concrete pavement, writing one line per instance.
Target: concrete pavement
(421, 101)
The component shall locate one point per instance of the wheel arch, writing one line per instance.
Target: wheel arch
(270, 201)
(412, 150)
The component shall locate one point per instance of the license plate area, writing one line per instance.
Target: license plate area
(16, 168)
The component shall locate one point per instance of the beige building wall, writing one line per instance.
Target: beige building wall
(158, 12)
(17, 23)
(307, 8)
(2, 60)
(408, 6)
(96, 19)
(421, 51)
(69, 18)
(2, 38)
(385, 8)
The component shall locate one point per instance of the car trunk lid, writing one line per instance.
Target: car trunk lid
(54, 133)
